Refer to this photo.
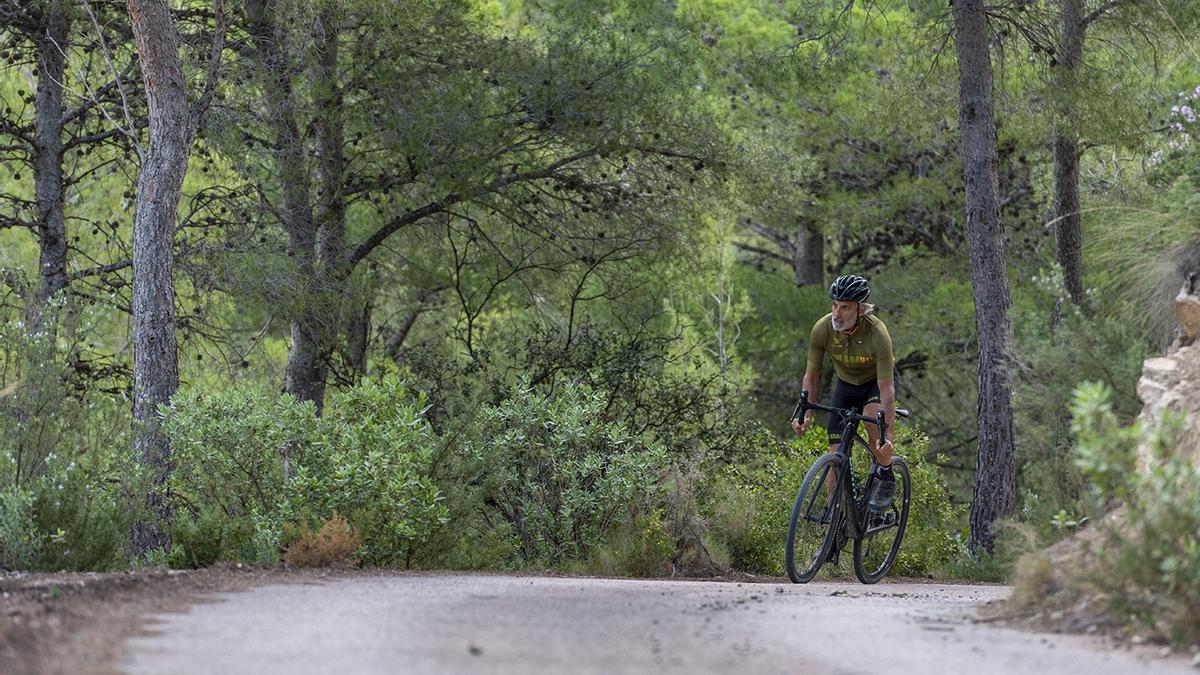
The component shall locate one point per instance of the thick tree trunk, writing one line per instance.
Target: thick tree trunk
(160, 181)
(51, 43)
(1065, 144)
(808, 259)
(995, 490)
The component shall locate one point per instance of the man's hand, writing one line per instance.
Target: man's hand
(801, 427)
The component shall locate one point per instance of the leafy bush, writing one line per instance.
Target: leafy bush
(1149, 560)
(1103, 348)
(366, 458)
(85, 506)
(19, 539)
(753, 510)
(557, 473)
(372, 464)
(65, 468)
(227, 482)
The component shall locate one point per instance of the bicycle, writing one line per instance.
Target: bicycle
(824, 520)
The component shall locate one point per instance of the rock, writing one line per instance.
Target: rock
(1187, 310)
(1196, 660)
(1170, 383)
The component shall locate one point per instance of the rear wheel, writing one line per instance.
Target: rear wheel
(817, 509)
(876, 550)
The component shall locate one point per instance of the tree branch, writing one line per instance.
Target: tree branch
(1101, 11)
(103, 269)
(364, 249)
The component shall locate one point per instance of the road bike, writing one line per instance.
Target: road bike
(831, 506)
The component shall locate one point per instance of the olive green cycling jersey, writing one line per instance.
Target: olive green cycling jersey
(858, 358)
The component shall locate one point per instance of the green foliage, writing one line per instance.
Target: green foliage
(1058, 347)
(1148, 565)
(638, 546)
(372, 466)
(1106, 450)
(366, 458)
(19, 539)
(227, 482)
(65, 468)
(558, 473)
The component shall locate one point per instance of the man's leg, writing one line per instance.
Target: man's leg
(885, 485)
(882, 455)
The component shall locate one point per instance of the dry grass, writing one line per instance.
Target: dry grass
(336, 542)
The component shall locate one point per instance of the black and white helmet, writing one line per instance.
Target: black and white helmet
(850, 288)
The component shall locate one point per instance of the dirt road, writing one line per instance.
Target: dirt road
(498, 624)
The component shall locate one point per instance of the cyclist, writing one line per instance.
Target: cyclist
(861, 350)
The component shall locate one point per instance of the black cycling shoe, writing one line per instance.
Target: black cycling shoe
(881, 494)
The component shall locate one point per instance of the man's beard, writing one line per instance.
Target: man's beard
(840, 326)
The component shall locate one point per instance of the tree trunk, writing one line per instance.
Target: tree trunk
(331, 203)
(160, 181)
(808, 259)
(304, 376)
(51, 43)
(1065, 144)
(358, 332)
(995, 488)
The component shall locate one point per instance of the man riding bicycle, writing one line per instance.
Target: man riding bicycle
(861, 350)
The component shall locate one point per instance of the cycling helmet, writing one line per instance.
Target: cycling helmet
(850, 288)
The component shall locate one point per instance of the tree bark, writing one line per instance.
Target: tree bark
(160, 181)
(1065, 143)
(995, 490)
(357, 332)
(50, 41)
(808, 259)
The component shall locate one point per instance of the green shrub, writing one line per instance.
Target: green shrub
(19, 538)
(85, 508)
(557, 473)
(372, 465)
(1058, 347)
(367, 458)
(227, 478)
(1149, 560)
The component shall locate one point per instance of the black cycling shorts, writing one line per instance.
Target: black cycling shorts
(856, 396)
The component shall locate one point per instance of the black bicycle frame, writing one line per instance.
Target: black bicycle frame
(856, 518)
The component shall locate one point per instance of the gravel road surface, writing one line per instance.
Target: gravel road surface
(499, 624)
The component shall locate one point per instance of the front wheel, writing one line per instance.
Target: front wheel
(817, 509)
(876, 550)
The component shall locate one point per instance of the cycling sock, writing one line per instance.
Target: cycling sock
(885, 472)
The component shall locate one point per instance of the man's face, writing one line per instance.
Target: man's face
(845, 315)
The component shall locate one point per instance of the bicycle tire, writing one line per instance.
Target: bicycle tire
(866, 568)
(803, 529)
